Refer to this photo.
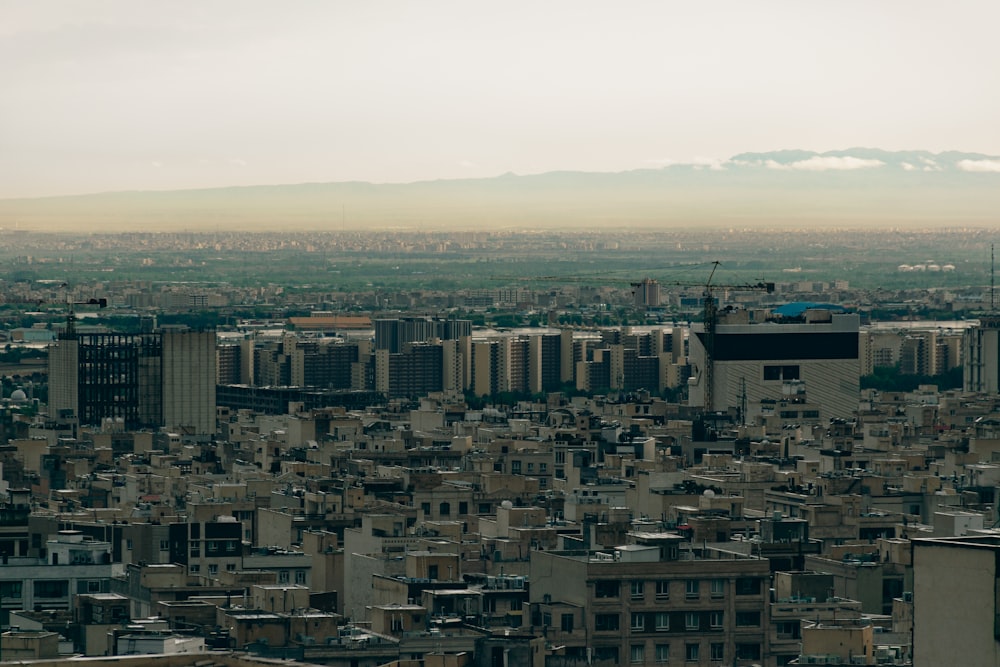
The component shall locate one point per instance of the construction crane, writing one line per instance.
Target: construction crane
(68, 302)
(710, 315)
(710, 318)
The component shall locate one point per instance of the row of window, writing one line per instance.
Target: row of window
(49, 589)
(660, 621)
(515, 467)
(211, 545)
(611, 588)
(284, 576)
(692, 652)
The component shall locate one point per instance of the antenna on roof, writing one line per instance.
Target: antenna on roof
(993, 298)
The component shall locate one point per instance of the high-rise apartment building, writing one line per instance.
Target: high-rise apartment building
(188, 380)
(981, 368)
(165, 378)
(393, 334)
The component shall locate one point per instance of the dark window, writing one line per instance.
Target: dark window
(748, 586)
(606, 589)
(662, 590)
(606, 622)
(788, 629)
(567, 623)
(748, 651)
(747, 619)
(10, 590)
(51, 589)
(609, 653)
(776, 373)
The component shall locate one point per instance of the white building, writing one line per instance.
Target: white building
(813, 361)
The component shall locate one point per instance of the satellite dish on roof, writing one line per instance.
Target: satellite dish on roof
(709, 493)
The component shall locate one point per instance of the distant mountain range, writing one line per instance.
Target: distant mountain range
(788, 188)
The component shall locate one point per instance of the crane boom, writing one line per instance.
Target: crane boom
(710, 318)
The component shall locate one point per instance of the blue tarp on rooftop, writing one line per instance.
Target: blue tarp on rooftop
(798, 308)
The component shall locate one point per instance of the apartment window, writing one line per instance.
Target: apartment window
(747, 619)
(543, 467)
(637, 589)
(718, 588)
(10, 590)
(300, 577)
(662, 621)
(195, 551)
(748, 586)
(463, 507)
(283, 577)
(692, 621)
(718, 652)
(128, 544)
(444, 509)
(606, 589)
(748, 651)
(230, 567)
(608, 653)
(231, 546)
(606, 622)
(425, 508)
(637, 653)
(515, 467)
(566, 623)
(531, 467)
(194, 568)
(788, 629)
(213, 569)
(662, 590)
(638, 622)
(51, 589)
(692, 587)
(547, 618)
(691, 652)
(776, 373)
(715, 619)
(164, 545)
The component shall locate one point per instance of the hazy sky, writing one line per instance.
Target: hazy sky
(134, 94)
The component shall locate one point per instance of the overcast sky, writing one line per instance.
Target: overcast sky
(132, 94)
